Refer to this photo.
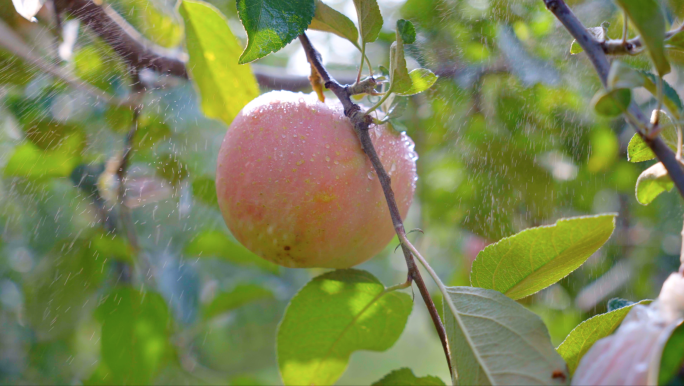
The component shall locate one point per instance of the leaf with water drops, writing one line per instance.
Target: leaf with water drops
(272, 24)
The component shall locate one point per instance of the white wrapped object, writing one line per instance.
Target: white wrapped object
(626, 356)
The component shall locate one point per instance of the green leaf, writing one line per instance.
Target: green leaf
(611, 103)
(272, 24)
(224, 86)
(218, 244)
(405, 377)
(400, 80)
(575, 48)
(370, 20)
(29, 161)
(535, 258)
(496, 341)
(242, 294)
(649, 20)
(671, 100)
(328, 19)
(580, 340)
(334, 315)
(136, 329)
(638, 150)
(672, 356)
(651, 183)
(407, 31)
(421, 80)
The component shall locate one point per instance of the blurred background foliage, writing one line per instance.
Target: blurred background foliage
(506, 141)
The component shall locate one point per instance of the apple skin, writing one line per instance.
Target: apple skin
(295, 187)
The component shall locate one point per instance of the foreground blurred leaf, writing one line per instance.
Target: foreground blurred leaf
(580, 340)
(135, 335)
(239, 296)
(405, 377)
(29, 161)
(648, 18)
(225, 87)
(218, 244)
(334, 315)
(370, 20)
(496, 341)
(638, 150)
(535, 258)
(652, 182)
(272, 24)
(329, 20)
(613, 102)
(672, 356)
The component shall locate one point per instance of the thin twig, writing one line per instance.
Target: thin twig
(361, 124)
(597, 56)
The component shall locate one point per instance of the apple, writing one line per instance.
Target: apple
(295, 187)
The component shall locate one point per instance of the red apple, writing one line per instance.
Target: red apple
(295, 187)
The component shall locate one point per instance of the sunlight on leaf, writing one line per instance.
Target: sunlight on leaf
(580, 339)
(638, 150)
(322, 328)
(535, 258)
(225, 87)
(652, 182)
(421, 80)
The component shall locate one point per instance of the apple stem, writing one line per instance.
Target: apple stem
(361, 123)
